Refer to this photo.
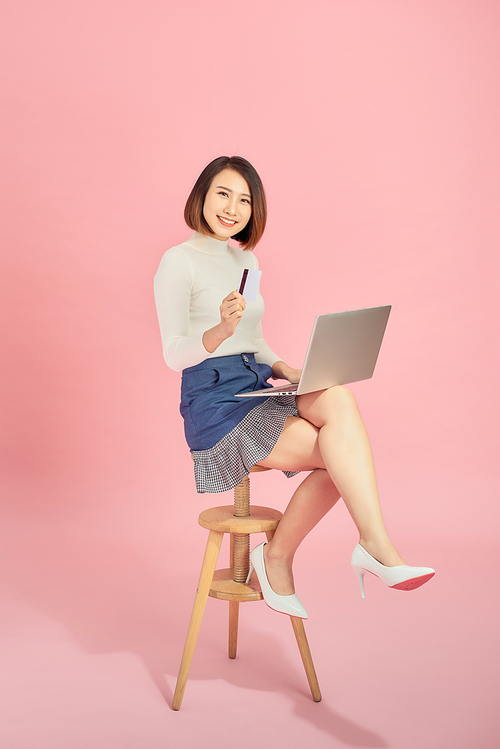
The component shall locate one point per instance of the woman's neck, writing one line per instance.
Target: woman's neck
(210, 245)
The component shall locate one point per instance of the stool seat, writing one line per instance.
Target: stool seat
(260, 520)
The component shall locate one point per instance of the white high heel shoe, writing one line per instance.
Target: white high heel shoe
(401, 577)
(290, 605)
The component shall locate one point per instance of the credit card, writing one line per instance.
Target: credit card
(249, 284)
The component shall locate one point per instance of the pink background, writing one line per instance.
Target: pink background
(374, 124)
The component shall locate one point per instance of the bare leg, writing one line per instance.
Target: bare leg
(347, 454)
(331, 435)
(312, 500)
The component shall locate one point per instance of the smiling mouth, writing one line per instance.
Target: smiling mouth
(226, 221)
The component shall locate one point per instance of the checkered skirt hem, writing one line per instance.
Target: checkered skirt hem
(223, 466)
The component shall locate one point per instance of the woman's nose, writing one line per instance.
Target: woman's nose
(230, 208)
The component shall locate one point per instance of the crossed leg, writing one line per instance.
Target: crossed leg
(331, 441)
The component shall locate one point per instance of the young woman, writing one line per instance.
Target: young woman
(211, 334)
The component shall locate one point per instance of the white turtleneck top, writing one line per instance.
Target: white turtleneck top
(191, 281)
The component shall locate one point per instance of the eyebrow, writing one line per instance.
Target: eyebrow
(221, 187)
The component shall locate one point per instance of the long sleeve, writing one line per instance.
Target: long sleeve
(264, 355)
(173, 286)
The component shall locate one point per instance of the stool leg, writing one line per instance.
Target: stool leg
(206, 576)
(305, 654)
(234, 609)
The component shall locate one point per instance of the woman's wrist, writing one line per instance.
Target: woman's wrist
(281, 371)
(278, 372)
(212, 339)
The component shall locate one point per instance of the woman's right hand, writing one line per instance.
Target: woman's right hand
(231, 312)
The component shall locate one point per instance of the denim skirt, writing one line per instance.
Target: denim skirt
(226, 434)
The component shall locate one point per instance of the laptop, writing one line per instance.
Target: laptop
(343, 348)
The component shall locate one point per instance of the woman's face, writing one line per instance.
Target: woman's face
(228, 204)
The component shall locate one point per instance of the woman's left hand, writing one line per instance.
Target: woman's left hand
(282, 371)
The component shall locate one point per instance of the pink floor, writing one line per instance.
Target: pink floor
(93, 620)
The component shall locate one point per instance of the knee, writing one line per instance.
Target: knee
(326, 405)
(340, 397)
(338, 403)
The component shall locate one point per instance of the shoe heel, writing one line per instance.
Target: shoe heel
(360, 574)
(249, 574)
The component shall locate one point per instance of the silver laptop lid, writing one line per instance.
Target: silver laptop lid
(343, 348)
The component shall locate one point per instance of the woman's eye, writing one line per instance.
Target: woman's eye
(224, 194)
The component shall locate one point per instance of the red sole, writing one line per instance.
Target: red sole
(415, 582)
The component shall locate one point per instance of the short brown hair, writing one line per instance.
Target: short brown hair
(193, 212)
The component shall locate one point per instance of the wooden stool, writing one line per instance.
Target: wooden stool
(229, 584)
